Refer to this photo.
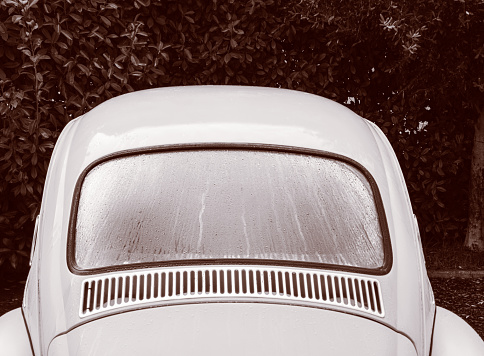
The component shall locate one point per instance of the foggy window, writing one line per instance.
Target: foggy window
(226, 204)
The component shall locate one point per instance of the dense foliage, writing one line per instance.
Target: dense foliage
(414, 69)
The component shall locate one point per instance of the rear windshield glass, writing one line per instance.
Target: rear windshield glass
(225, 204)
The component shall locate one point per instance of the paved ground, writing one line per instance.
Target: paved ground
(463, 296)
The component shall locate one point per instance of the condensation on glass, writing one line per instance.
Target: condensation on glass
(226, 204)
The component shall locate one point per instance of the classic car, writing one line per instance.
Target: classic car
(228, 221)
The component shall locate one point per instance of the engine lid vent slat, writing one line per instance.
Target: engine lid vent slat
(99, 294)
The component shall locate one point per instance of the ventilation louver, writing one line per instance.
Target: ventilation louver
(187, 283)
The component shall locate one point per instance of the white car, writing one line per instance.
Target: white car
(228, 221)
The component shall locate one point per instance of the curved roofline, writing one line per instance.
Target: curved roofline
(201, 114)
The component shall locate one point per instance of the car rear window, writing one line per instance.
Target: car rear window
(226, 204)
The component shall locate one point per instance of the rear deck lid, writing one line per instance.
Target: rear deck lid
(232, 329)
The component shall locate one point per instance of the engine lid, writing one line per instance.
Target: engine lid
(232, 328)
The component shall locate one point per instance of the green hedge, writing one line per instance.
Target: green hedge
(394, 66)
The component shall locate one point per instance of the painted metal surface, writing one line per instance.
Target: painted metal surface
(236, 115)
(233, 329)
(14, 339)
(453, 336)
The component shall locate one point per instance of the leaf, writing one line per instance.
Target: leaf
(13, 260)
(76, 17)
(188, 54)
(28, 53)
(84, 69)
(45, 133)
(78, 88)
(227, 58)
(144, 3)
(157, 71)
(106, 21)
(7, 242)
(17, 18)
(116, 87)
(68, 35)
(3, 31)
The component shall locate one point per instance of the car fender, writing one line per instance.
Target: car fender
(14, 337)
(453, 336)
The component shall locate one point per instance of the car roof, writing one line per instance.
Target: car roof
(209, 114)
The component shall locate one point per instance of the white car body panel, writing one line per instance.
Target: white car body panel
(219, 115)
(230, 114)
(233, 329)
(453, 336)
(14, 338)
